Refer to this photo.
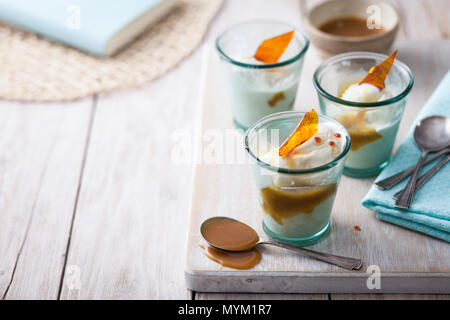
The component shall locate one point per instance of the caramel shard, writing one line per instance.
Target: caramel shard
(305, 130)
(378, 73)
(270, 50)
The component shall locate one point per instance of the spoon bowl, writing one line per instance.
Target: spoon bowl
(431, 134)
(228, 234)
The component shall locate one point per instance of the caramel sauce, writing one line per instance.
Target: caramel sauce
(351, 26)
(360, 133)
(281, 204)
(236, 260)
(231, 235)
(277, 97)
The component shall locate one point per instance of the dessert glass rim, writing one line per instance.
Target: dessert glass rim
(290, 114)
(298, 56)
(362, 54)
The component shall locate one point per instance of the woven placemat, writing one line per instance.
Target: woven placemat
(35, 69)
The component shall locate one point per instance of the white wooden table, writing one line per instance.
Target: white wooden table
(90, 206)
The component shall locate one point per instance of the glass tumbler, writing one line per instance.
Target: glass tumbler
(296, 203)
(372, 126)
(258, 89)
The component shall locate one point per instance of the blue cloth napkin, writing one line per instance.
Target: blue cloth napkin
(430, 209)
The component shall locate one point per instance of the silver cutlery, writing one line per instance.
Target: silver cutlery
(431, 134)
(391, 181)
(424, 178)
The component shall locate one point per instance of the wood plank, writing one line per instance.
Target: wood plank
(41, 152)
(438, 12)
(390, 297)
(402, 261)
(129, 228)
(258, 296)
(419, 19)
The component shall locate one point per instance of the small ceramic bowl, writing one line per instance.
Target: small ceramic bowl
(327, 45)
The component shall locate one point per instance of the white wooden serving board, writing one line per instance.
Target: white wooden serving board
(409, 262)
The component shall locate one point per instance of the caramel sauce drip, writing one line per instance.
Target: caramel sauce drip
(236, 260)
(360, 133)
(349, 27)
(277, 97)
(281, 204)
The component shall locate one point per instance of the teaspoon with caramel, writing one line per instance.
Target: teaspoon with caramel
(234, 236)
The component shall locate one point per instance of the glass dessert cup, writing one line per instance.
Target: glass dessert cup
(296, 203)
(258, 89)
(372, 126)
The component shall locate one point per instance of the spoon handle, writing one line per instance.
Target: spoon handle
(344, 262)
(427, 175)
(404, 200)
(388, 183)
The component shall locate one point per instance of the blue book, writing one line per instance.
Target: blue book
(100, 27)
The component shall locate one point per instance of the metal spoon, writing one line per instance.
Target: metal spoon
(431, 134)
(427, 175)
(344, 262)
(388, 183)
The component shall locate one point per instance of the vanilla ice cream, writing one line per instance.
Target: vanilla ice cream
(371, 129)
(321, 148)
(366, 92)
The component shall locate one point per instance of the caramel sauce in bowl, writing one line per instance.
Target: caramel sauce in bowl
(337, 26)
(350, 26)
